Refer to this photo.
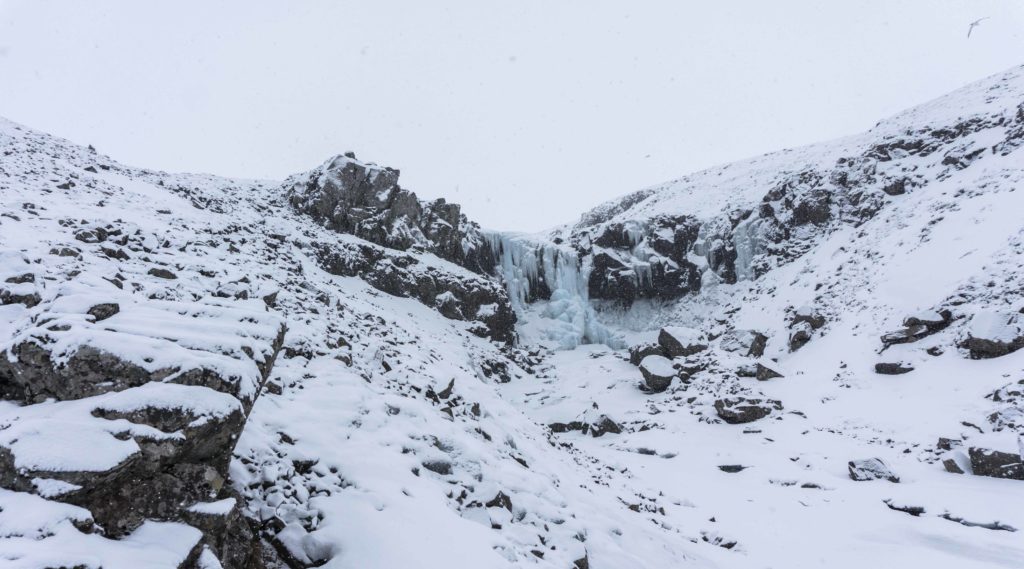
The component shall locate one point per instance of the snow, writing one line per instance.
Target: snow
(216, 508)
(371, 461)
(658, 365)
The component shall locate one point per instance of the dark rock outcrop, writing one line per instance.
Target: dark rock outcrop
(457, 296)
(893, 368)
(365, 200)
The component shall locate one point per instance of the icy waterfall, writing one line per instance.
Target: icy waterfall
(548, 287)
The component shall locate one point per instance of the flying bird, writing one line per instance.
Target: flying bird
(975, 24)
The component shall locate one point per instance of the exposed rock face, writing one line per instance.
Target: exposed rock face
(160, 420)
(871, 469)
(365, 200)
(458, 296)
(742, 410)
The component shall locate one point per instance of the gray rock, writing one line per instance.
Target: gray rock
(658, 372)
(871, 469)
(749, 343)
(766, 371)
(893, 368)
(742, 410)
(103, 311)
(997, 464)
(799, 334)
(679, 341)
(639, 352)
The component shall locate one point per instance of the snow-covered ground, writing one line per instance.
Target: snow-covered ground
(383, 433)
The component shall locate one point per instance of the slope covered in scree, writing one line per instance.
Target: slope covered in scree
(824, 363)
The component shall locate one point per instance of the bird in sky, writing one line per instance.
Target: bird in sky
(975, 24)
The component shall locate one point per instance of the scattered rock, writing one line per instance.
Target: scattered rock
(103, 311)
(767, 370)
(732, 468)
(162, 273)
(893, 368)
(742, 410)
(799, 334)
(871, 469)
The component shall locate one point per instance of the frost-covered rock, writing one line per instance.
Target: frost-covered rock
(680, 341)
(991, 334)
(658, 372)
(749, 343)
(871, 469)
(640, 351)
(740, 410)
(364, 199)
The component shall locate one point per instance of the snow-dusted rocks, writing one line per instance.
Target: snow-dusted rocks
(871, 469)
(455, 292)
(658, 372)
(638, 352)
(680, 341)
(749, 343)
(992, 333)
(918, 327)
(364, 199)
(740, 410)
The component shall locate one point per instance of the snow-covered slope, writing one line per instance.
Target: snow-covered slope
(203, 372)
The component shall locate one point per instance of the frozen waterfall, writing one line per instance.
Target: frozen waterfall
(548, 287)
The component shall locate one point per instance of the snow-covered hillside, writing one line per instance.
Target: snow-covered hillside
(807, 359)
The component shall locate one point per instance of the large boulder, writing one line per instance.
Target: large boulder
(991, 334)
(997, 464)
(640, 351)
(680, 341)
(893, 368)
(658, 372)
(871, 469)
(918, 326)
(742, 410)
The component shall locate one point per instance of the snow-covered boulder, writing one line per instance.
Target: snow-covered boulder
(992, 333)
(871, 469)
(658, 372)
(640, 351)
(767, 369)
(680, 341)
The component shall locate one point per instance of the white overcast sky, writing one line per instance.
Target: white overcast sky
(525, 112)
